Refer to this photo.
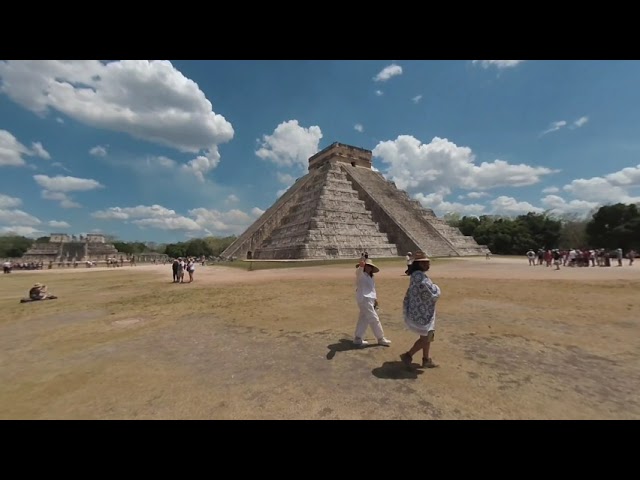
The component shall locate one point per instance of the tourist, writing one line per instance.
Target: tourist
(6, 267)
(181, 266)
(39, 292)
(419, 309)
(367, 300)
(531, 255)
(191, 267)
(174, 269)
(409, 259)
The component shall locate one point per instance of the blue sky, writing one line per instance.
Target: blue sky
(168, 150)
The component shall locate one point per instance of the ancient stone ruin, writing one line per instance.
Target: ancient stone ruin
(342, 208)
(69, 248)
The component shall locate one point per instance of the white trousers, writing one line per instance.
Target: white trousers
(368, 317)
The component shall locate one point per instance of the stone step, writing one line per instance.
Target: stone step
(406, 213)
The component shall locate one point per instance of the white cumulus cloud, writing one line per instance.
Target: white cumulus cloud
(555, 126)
(8, 202)
(56, 188)
(290, 144)
(416, 99)
(388, 72)
(580, 122)
(475, 195)
(209, 221)
(285, 178)
(559, 206)
(202, 164)
(509, 206)
(38, 150)
(551, 190)
(12, 151)
(440, 206)
(61, 183)
(379, 93)
(58, 224)
(627, 177)
(21, 230)
(63, 198)
(358, 127)
(17, 217)
(149, 100)
(500, 64)
(227, 223)
(98, 151)
(441, 165)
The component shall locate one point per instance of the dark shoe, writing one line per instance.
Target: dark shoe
(406, 359)
(428, 363)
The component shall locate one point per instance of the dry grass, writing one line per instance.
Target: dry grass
(512, 342)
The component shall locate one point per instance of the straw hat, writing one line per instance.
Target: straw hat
(38, 285)
(369, 262)
(420, 257)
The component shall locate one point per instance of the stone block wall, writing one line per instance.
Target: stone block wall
(398, 215)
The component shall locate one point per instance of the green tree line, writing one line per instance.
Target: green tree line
(15, 246)
(610, 227)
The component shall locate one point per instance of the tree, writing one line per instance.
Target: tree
(219, 244)
(544, 230)
(614, 226)
(452, 218)
(123, 247)
(175, 250)
(573, 233)
(43, 239)
(197, 248)
(154, 247)
(468, 225)
(14, 246)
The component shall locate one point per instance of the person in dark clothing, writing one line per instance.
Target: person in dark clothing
(174, 267)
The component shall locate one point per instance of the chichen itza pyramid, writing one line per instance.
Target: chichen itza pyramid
(342, 208)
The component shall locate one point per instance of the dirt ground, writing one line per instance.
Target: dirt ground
(512, 341)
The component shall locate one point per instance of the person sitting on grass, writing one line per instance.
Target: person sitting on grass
(39, 292)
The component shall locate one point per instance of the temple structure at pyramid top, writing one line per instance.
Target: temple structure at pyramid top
(341, 208)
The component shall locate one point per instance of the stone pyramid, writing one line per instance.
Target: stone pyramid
(342, 208)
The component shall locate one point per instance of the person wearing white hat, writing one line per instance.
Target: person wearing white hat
(409, 259)
(419, 309)
(367, 300)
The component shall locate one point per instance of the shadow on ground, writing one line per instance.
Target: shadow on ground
(396, 371)
(345, 345)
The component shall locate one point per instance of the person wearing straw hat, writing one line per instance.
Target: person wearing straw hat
(367, 303)
(39, 292)
(419, 309)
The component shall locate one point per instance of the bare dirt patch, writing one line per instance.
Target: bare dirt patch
(512, 341)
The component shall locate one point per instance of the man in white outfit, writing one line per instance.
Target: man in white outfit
(367, 302)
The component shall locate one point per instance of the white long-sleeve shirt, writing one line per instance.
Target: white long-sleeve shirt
(365, 286)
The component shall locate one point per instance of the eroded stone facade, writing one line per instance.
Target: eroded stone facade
(342, 208)
(62, 247)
